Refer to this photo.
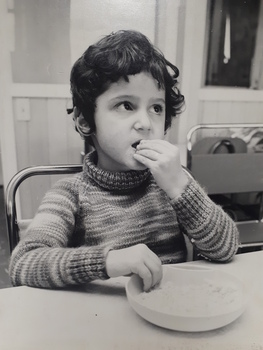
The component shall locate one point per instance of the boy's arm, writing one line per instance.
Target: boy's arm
(209, 228)
(42, 258)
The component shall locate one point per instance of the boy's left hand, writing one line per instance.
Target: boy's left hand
(163, 160)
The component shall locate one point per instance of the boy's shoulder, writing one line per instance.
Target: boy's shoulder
(70, 182)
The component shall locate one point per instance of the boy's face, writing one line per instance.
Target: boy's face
(125, 114)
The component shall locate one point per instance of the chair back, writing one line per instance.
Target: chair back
(15, 227)
(233, 169)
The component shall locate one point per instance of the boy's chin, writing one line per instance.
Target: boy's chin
(138, 166)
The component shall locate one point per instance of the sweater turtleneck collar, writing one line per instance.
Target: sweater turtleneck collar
(116, 181)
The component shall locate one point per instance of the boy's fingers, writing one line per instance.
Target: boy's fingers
(156, 145)
(150, 154)
(156, 271)
(153, 163)
(153, 147)
(143, 160)
(155, 142)
(145, 274)
(150, 272)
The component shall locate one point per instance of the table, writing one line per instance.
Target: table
(99, 317)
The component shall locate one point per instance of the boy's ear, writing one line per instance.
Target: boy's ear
(81, 124)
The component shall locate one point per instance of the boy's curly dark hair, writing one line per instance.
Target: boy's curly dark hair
(115, 56)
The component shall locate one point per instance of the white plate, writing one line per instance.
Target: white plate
(190, 298)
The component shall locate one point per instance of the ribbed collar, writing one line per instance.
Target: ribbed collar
(115, 181)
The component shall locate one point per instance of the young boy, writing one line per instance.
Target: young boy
(128, 210)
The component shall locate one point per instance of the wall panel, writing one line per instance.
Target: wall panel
(231, 112)
(48, 137)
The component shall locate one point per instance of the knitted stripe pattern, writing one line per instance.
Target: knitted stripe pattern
(84, 216)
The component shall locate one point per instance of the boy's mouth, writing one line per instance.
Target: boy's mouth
(135, 144)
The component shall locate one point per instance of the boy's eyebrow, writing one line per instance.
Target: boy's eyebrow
(158, 99)
(123, 97)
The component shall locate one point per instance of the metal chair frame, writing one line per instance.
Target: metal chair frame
(211, 127)
(242, 171)
(11, 190)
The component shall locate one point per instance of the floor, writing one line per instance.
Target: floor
(4, 249)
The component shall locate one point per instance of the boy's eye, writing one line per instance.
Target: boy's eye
(158, 109)
(125, 106)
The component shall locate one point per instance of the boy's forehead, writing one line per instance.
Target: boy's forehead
(135, 82)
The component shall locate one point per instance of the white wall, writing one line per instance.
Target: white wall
(7, 135)
(90, 20)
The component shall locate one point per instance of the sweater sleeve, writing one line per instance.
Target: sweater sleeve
(43, 258)
(212, 232)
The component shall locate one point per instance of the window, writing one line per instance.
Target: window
(235, 44)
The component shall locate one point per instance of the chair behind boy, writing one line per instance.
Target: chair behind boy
(232, 174)
(17, 227)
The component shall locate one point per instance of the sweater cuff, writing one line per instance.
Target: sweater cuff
(193, 205)
(88, 264)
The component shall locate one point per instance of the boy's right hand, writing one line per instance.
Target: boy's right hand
(138, 259)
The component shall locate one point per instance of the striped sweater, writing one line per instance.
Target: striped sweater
(84, 216)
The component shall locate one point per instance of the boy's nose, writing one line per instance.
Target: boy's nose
(143, 122)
